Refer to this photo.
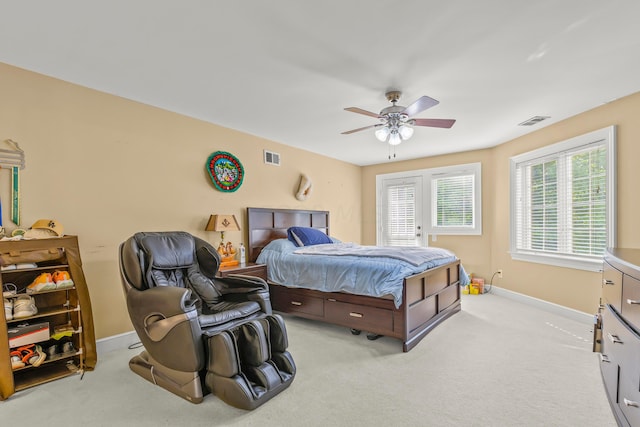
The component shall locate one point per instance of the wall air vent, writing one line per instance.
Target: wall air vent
(533, 120)
(271, 158)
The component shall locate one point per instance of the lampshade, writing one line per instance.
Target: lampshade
(406, 132)
(222, 223)
(394, 138)
(382, 133)
(394, 131)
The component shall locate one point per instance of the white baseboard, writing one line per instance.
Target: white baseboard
(116, 342)
(579, 316)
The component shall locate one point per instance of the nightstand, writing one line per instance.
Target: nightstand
(248, 269)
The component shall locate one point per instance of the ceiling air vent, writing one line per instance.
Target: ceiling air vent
(533, 120)
(271, 158)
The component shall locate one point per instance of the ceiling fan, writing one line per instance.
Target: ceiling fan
(397, 121)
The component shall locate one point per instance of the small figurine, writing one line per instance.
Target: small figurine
(221, 250)
(230, 250)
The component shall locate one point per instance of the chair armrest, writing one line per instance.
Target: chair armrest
(166, 321)
(241, 284)
(168, 301)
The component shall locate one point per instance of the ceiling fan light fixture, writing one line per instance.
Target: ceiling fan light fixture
(394, 138)
(382, 134)
(406, 132)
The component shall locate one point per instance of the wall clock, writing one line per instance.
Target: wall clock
(225, 171)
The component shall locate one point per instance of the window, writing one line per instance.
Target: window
(563, 202)
(455, 193)
(448, 203)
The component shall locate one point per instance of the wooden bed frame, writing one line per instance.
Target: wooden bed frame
(428, 298)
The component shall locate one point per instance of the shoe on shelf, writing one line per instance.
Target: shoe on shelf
(8, 267)
(26, 352)
(24, 306)
(62, 279)
(9, 290)
(52, 351)
(8, 309)
(44, 282)
(37, 357)
(16, 361)
(23, 265)
(68, 348)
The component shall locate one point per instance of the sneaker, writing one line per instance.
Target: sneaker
(8, 309)
(9, 290)
(38, 356)
(25, 352)
(8, 267)
(52, 351)
(44, 282)
(23, 265)
(62, 279)
(16, 361)
(24, 306)
(68, 348)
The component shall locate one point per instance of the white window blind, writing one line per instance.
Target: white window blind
(453, 201)
(448, 203)
(561, 203)
(400, 210)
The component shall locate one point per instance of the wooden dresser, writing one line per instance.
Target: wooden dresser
(617, 333)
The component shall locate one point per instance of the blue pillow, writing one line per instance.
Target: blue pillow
(306, 236)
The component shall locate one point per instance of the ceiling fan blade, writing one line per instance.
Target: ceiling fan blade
(435, 123)
(359, 129)
(420, 105)
(361, 111)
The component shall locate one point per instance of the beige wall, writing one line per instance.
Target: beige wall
(486, 254)
(106, 167)
(572, 288)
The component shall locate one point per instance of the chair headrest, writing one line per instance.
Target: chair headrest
(145, 251)
(168, 250)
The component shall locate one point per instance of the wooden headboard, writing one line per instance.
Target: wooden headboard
(265, 225)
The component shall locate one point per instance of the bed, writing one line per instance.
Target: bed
(426, 298)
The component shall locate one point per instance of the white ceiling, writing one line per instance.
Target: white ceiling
(286, 69)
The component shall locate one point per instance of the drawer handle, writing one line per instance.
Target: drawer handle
(631, 403)
(633, 301)
(296, 303)
(614, 338)
(354, 314)
(608, 282)
(604, 358)
(331, 299)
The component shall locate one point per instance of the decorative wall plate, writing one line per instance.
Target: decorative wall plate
(225, 171)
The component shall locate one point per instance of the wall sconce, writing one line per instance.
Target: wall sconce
(222, 223)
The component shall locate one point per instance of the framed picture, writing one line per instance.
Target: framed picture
(225, 171)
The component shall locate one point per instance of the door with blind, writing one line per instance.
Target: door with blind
(401, 211)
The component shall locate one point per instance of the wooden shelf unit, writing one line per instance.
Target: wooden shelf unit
(60, 307)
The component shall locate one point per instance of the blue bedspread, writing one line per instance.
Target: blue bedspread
(370, 275)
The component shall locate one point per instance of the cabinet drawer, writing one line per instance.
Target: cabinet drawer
(610, 353)
(293, 302)
(629, 398)
(612, 286)
(631, 300)
(370, 319)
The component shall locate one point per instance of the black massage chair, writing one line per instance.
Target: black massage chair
(200, 332)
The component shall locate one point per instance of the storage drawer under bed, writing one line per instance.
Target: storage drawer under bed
(364, 318)
(296, 302)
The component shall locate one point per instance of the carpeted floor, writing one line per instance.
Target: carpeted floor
(499, 362)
